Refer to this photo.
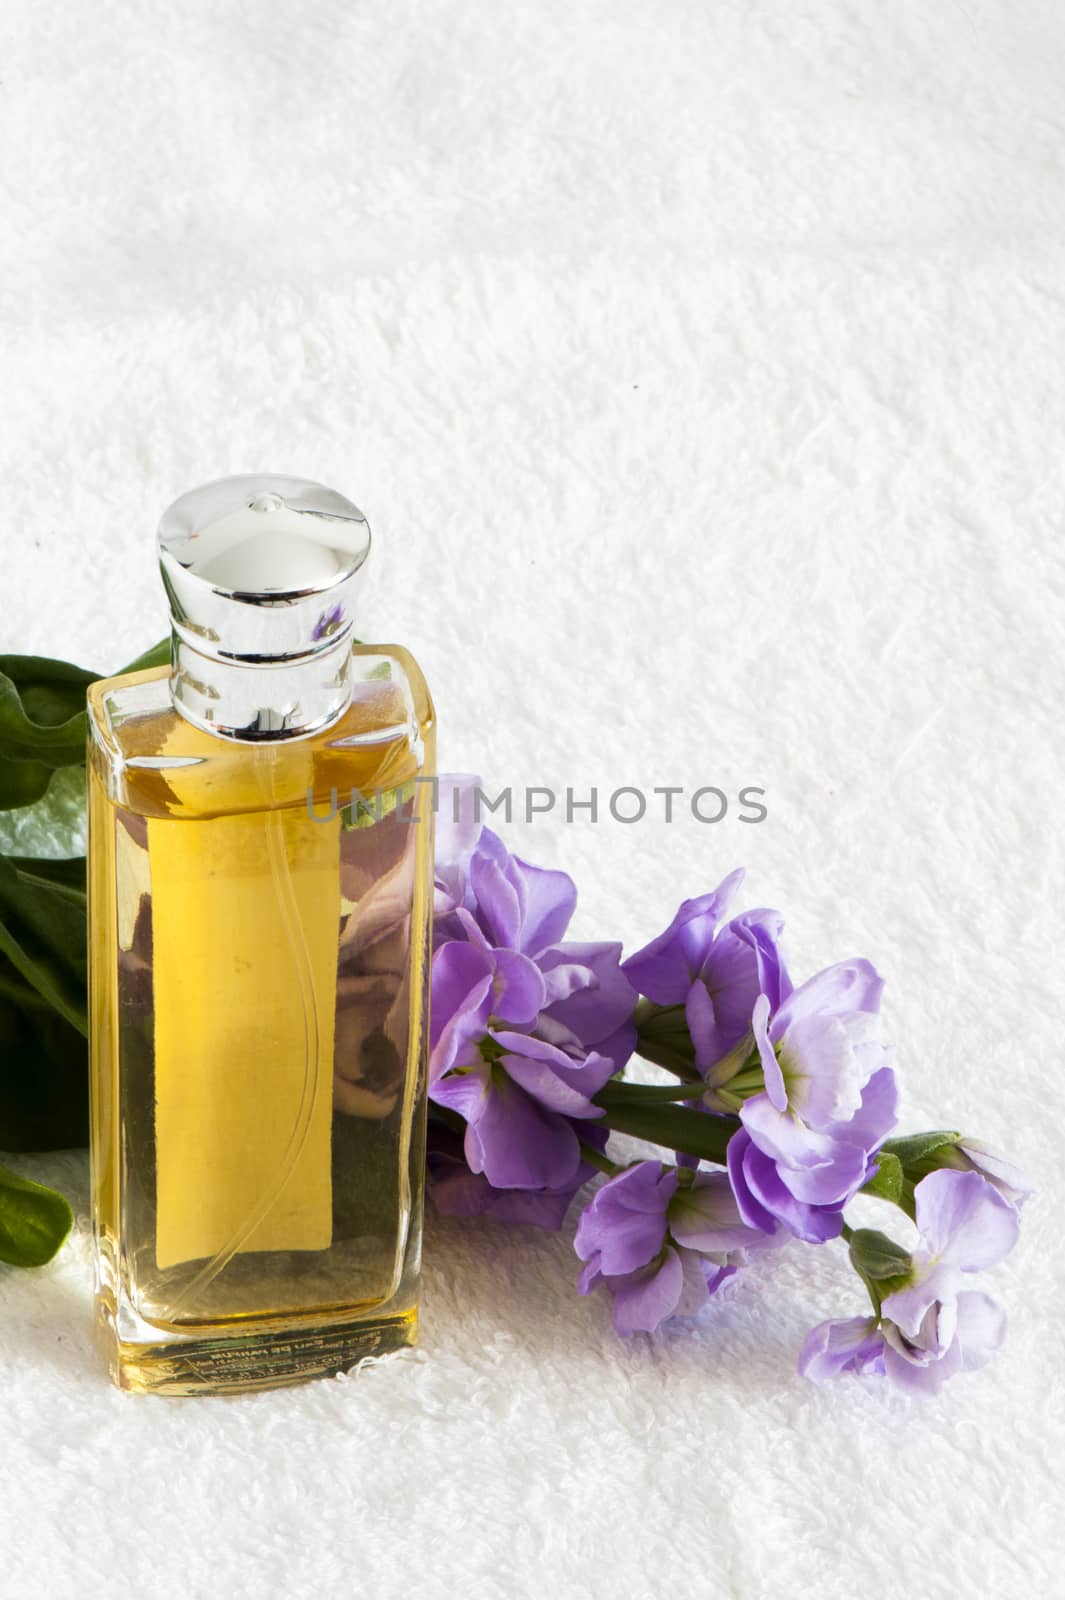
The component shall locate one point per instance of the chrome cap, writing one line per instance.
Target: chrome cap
(262, 568)
(260, 573)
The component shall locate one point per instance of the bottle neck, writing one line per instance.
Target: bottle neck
(261, 701)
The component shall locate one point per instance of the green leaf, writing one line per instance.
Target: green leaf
(34, 1221)
(44, 1072)
(43, 934)
(42, 724)
(43, 965)
(877, 1257)
(42, 720)
(694, 1132)
(886, 1182)
(55, 825)
(22, 783)
(914, 1148)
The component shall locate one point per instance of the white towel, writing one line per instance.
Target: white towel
(701, 369)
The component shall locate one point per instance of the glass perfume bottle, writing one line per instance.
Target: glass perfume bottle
(260, 882)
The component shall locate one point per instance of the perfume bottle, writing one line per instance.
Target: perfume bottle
(260, 872)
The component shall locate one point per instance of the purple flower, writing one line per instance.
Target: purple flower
(853, 1344)
(661, 1242)
(716, 970)
(929, 1327)
(809, 1142)
(458, 1192)
(525, 1028)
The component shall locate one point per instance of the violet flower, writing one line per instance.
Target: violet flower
(929, 1327)
(526, 1027)
(458, 1192)
(716, 970)
(661, 1242)
(809, 1142)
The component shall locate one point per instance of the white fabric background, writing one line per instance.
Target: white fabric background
(701, 367)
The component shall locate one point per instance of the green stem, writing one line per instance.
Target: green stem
(662, 1054)
(663, 1038)
(695, 1133)
(597, 1159)
(645, 1010)
(620, 1092)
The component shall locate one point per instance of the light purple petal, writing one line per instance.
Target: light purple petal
(848, 986)
(730, 972)
(817, 1168)
(922, 1365)
(642, 1300)
(458, 1192)
(833, 1181)
(915, 1378)
(813, 1223)
(878, 1112)
(528, 1044)
(1011, 1181)
(461, 981)
(739, 1152)
(499, 908)
(852, 1345)
(717, 1277)
(774, 1078)
(518, 1144)
(981, 1328)
(518, 990)
(565, 979)
(823, 1072)
(449, 886)
(909, 1307)
(694, 1290)
(702, 1025)
(539, 1079)
(586, 1073)
(763, 930)
(618, 1046)
(589, 1277)
(964, 1221)
(464, 1092)
(706, 1216)
(625, 1222)
(783, 1138)
(603, 1006)
(663, 970)
(548, 899)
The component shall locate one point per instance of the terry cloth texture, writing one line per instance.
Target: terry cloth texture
(701, 368)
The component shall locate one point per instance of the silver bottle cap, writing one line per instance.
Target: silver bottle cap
(260, 573)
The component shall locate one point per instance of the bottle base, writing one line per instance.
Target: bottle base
(245, 1360)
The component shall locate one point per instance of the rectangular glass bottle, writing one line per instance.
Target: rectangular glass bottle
(259, 955)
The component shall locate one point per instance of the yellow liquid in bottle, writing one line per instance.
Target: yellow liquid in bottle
(259, 966)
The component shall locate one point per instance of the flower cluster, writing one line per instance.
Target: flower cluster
(526, 1027)
(780, 1111)
(661, 1240)
(928, 1327)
